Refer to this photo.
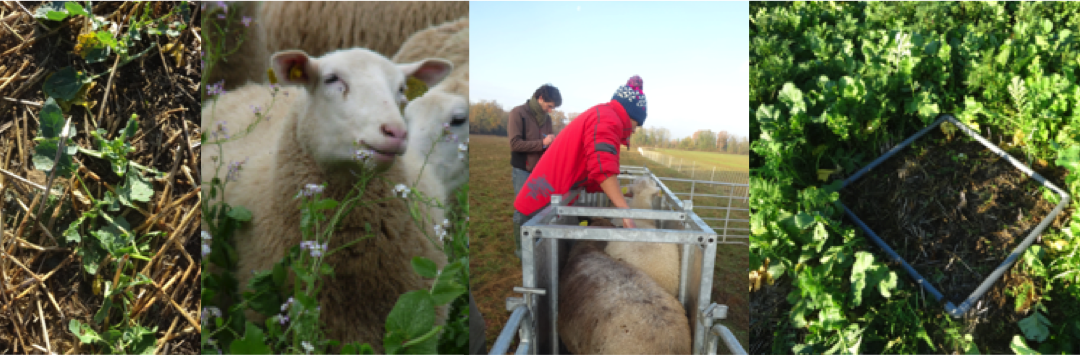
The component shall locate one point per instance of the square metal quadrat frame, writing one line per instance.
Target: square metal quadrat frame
(545, 247)
(950, 308)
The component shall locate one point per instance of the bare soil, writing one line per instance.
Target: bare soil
(954, 211)
(161, 88)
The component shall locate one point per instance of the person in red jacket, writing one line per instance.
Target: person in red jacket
(586, 154)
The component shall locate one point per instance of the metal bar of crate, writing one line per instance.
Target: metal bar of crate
(623, 234)
(620, 213)
(723, 333)
(722, 208)
(502, 343)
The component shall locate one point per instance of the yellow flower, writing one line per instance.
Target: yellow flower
(270, 74)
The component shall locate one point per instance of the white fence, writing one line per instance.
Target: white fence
(721, 198)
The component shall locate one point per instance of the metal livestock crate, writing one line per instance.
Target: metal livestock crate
(545, 249)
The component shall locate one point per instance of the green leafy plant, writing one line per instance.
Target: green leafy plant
(835, 85)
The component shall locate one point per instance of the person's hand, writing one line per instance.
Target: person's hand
(548, 139)
(628, 223)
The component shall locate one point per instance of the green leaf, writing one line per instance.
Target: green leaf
(821, 236)
(803, 220)
(928, 111)
(1035, 327)
(265, 299)
(239, 213)
(866, 273)
(84, 332)
(325, 204)
(138, 188)
(52, 120)
(424, 266)
(793, 97)
(104, 310)
(131, 129)
(107, 38)
(1069, 158)
(447, 288)
(74, 8)
(45, 155)
(413, 315)
(1019, 346)
(91, 257)
(251, 343)
(143, 340)
(446, 291)
(56, 15)
(65, 84)
(112, 237)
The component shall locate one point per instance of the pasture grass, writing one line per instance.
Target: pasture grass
(722, 161)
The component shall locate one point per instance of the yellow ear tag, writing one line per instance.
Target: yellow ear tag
(584, 223)
(270, 74)
(625, 190)
(295, 73)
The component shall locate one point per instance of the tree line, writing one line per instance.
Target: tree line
(489, 117)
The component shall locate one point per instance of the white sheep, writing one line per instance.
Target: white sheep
(609, 307)
(444, 109)
(446, 168)
(318, 27)
(340, 102)
(659, 260)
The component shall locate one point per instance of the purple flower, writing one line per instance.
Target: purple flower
(234, 170)
(316, 249)
(222, 5)
(206, 238)
(310, 190)
(246, 20)
(216, 88)
(221, 131)
(221, 16)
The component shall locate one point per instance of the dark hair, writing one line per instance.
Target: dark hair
(549, 93)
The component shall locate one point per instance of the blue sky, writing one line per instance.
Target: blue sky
(692, 57)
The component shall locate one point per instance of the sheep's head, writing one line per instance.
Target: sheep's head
(429, 117)
(644, 186)
(353, 104)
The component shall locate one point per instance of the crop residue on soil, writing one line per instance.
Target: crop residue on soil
(954, 210)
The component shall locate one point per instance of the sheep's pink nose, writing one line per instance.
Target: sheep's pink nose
(394, 131)
(395, 134)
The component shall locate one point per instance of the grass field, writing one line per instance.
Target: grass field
(494, 270)
(726, 162)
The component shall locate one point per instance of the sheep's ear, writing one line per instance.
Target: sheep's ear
(294, 68)
(430, 71)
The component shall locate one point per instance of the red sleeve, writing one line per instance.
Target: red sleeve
(602, 147)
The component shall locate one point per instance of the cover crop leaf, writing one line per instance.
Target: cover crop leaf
(868, 274)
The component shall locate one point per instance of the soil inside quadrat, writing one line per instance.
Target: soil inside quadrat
(954, 210)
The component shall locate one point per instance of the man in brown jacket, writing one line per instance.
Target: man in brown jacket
(530, 131)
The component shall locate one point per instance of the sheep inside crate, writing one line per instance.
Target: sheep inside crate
(607, 306)
(659, 260)
(331, 107)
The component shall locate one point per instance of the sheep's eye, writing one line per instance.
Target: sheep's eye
(330, 79)
(459, 119)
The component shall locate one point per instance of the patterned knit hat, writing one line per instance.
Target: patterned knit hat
(632, 99)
